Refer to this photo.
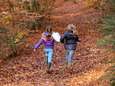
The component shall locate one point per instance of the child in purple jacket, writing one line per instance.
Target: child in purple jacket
(48, 43)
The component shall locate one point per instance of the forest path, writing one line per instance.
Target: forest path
(29, 69)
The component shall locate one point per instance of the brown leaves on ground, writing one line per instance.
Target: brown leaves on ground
(29, 69)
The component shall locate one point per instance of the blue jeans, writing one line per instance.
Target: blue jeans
(69, 56)
(48, 54)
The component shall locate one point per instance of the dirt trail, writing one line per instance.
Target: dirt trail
(29, 69)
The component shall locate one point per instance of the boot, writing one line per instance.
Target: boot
(46, 60)
(49, 66)
(48, 69)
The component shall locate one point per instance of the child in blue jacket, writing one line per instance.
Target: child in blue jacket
(70, 40)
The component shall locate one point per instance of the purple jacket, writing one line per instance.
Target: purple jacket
(47, 43)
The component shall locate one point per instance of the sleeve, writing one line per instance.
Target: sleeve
(77, 38)
(62, 38)
(37, 45)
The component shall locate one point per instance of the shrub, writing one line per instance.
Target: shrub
(98, 4)
(6, 19)
(3, 30)
(108, 31)
(39, 6)
(10, 43)
(35, 24)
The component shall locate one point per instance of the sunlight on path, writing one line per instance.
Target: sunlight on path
(86, 78)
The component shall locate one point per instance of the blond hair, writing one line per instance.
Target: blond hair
(72, 27)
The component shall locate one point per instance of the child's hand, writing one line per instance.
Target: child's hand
(34, 50)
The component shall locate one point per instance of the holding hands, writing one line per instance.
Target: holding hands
(34, 50)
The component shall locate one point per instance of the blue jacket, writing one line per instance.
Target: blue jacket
(70, 40)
